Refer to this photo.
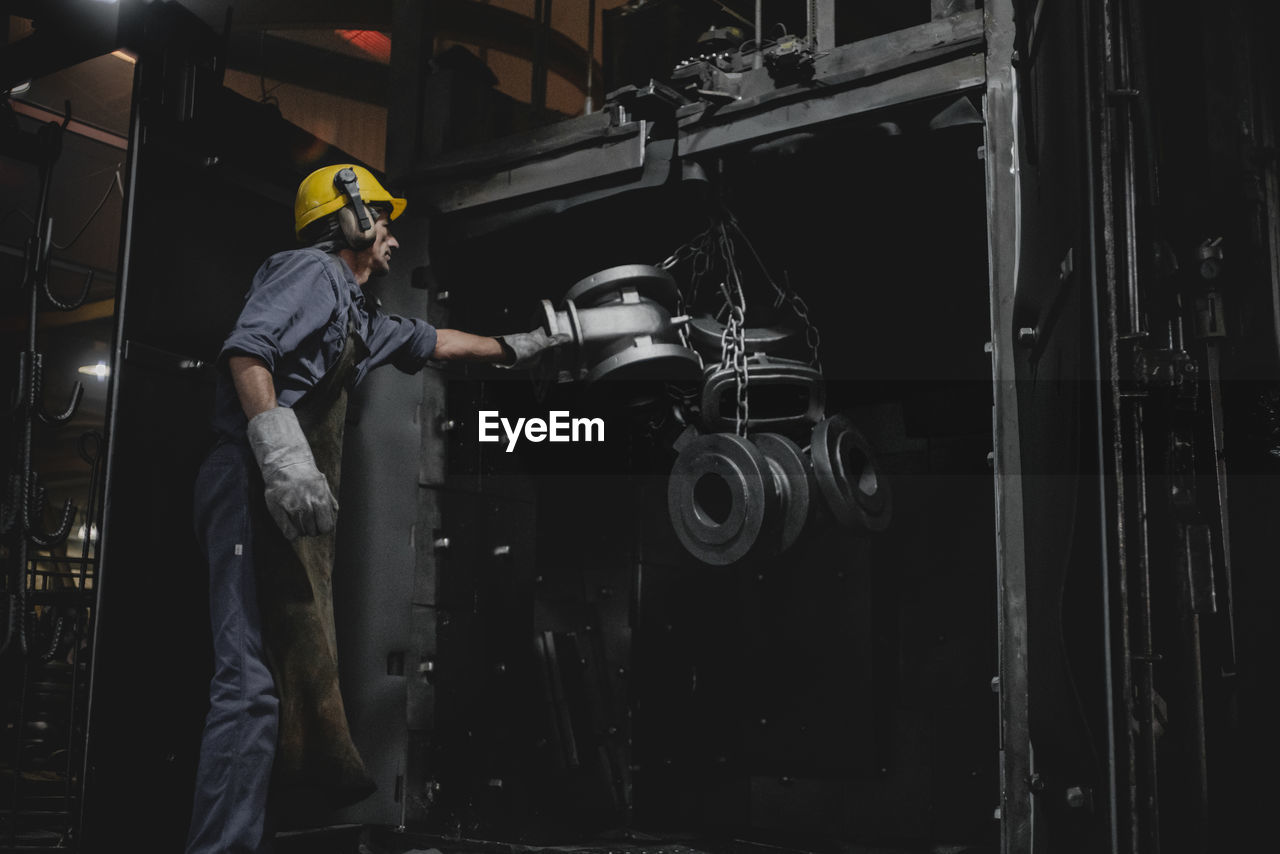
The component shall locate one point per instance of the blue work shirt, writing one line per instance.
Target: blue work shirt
(295, 319)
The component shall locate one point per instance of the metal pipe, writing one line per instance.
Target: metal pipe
(588, 107)
(1213, 363)
(127, 210)
(1105, 199)
(541, 31)
(1145, 637)
(1271, 191)
(1201, 758)
(1087, 90)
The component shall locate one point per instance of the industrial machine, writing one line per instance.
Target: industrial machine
(937, 351)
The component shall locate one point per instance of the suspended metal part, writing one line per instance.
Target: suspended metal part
(723, 499)
(705, 333)
(651, 282)
(786, 393)
(620, 325)
(732, 498)
(793, 475)
(844, 465)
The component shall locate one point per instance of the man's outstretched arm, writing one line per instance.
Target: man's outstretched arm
(454, 345)
(519, 350)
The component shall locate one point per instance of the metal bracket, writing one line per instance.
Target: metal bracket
(1161, 369)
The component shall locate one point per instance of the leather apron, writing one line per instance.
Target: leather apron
(317, 766)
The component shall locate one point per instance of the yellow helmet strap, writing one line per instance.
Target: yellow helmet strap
(354, 219)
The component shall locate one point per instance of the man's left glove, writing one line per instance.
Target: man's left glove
(527, 347)
(298, 494)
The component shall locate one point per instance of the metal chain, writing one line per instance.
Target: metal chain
(699, 250)
(717, 244)
(811, 334)
(785, 294)
(733, 342)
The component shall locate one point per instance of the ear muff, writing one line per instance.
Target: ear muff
(354, 219)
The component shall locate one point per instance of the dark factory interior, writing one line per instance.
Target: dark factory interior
(932, 354)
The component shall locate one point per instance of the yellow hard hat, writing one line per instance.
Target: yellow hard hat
(319, 195)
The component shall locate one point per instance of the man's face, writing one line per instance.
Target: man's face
(383, 243)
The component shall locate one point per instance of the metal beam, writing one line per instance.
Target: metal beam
(921, 62)
(858, 63)
(311, 67)
(957, 75)
(463, 21)
(824, 25)
(1003, 158)
(622, 153)
(79, 128)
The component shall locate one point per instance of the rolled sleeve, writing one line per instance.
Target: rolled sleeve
(405, 342)
(293, 298)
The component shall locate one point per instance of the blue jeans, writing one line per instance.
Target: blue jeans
(229, 813)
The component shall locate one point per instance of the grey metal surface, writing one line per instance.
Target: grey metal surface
(618, 152)
(954, 76)
(920, 62)
(376, 558)
(844, 466)
(722, 499)
(1002, 161)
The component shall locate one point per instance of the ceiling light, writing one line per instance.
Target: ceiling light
(21, 89)
(125, 55)
(100, 370)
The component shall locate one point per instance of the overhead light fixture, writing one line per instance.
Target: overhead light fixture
(21, 89)
(125, 55)
(100, 370)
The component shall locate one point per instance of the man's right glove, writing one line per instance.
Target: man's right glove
(528, 347)
(298, 496)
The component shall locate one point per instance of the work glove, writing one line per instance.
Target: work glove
(298, 496)
(528, 347)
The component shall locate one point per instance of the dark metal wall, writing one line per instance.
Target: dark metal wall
(1060, 776)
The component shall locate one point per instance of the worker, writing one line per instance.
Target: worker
(265, 506)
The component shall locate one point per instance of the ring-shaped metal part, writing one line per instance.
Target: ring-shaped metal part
(802, 395)
(844, 465)
(648, 361)
(650, 282)
(706, 333)
(793, 473)
(721, 535)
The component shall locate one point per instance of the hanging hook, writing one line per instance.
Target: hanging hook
(77, 392)
(36, 502)
(68, 306)
(48, 541)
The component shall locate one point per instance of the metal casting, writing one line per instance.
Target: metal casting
(788, 394)
(723, 499)
(845, 468)
(619, 321)
(793, 474)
